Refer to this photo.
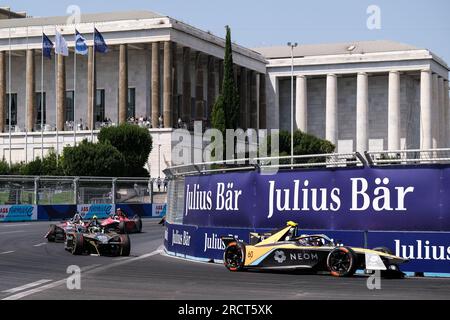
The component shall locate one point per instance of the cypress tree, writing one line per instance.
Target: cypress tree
(225, 113)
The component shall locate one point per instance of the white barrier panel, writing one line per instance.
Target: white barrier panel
(16, 213)
(102, 211)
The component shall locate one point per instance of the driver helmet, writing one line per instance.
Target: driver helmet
(76, 218)
(119, 212)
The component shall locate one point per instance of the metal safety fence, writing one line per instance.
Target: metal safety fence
(36, 190)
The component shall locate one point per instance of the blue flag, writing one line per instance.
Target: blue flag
(80, 44)
(47, 46)
(99, 43)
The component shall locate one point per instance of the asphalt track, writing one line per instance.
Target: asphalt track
(31, 268)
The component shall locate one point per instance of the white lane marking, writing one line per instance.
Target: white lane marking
(16, 225)
(46, 287)
(86, 270)
(27, 286)
(40, 244)
(6, 252)
(8, 232)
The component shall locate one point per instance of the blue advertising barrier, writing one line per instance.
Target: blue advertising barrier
(204, 242)
(56, 212)
(405, 208)
(405, 199)
(101, 211)
(427, 251)
(87, 211)
(15, 213)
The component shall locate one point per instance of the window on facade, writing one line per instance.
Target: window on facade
(99, 112)
(69, 105)
(41, 107)
(131, 109)
(11, 101)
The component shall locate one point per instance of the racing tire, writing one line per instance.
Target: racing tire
(122, 227)
(126, 245)
(234, 256)
(78, 245)
(51, 235)
(138, 223)
(342, 262)
(383, 250)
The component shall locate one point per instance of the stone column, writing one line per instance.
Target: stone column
(243, 91)
(441, 120)
(123, 83)
(30, 90)
(2, 90)
(331, 123)
(425, 109)
(199, 89)
(211, 85)
(394, 111)
(262, 102)
(61, 93)
(167, 86)
(435, 111)
(301, 104)
(362, 113)
(91, 77)
(186, 114)
(155, 85)
(253, 101)
(446, 115)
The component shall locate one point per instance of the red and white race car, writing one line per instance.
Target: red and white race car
(119, 222)
(57, 232)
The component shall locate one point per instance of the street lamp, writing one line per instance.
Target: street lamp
(292, 46)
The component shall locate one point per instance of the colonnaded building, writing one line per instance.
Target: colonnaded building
(163, 74)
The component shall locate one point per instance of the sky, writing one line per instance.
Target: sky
(256, 23)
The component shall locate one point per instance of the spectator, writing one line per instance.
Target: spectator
(166, 182)
(159, 182)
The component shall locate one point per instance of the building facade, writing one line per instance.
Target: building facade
(159, 72)
(164, 74)
(362, 96)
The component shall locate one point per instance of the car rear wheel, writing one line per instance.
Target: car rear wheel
(78, 244)
(138, 223)
(122, 227)
(233, 257)
(51, 235)
(126, 245)
(341, 262)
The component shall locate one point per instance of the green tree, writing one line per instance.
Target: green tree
(4, 167)
(49, 166)
(133, 142)
(93, 159)
(225, 113)
(304, 144)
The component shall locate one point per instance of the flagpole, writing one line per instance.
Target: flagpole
(74, 89)
(42, 97)
(10, 95)
(56, 99)
(94, 90)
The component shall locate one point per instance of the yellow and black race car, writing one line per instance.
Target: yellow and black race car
(285, 249)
